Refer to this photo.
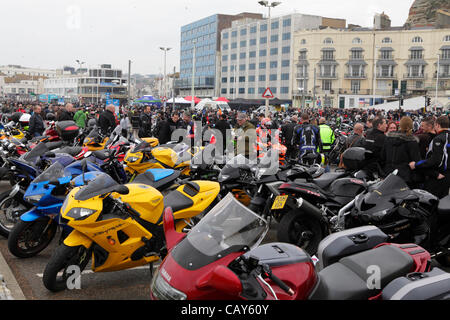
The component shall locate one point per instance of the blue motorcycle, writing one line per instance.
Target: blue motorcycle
(36, 228)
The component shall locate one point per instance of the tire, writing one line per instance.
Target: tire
(445, 260)
(302, 230)
(11, 209)
(27, 239)
(63, 257)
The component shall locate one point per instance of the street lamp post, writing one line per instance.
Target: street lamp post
(80, 63)
(165, 74)
(437, 78)
(268, 5)
(193, 75)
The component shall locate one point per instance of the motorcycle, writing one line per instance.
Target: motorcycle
(405, 215)
(120, 226)
(221, 259)
(310, 208)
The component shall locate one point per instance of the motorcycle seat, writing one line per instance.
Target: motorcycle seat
(444, 205)
(363, 275)
(177, 201)
(325, 180)
(54, 145)
(73, 151)
(101, 154)
(157, 178)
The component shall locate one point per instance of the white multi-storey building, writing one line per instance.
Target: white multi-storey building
(249, 57)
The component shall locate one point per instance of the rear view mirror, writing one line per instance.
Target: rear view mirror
(172, 236)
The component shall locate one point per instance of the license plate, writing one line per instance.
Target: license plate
(279, 202)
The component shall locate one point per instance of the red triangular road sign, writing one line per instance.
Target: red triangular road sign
(268, 94)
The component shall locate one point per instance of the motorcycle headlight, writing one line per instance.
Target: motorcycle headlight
(34, 199)
(194, 166)
(132, 159)
(80, 213)
(223, 178)
(162, 290)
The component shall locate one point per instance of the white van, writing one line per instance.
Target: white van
(213, 105)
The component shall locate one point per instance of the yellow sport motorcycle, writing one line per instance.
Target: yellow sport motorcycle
(121, 226)
(144, 156)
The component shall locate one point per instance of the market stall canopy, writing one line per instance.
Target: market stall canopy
(196, 100)
(148, 100)
(179, 101)
(222, 99)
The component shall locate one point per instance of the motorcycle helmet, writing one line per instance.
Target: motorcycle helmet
(92, 123)
(266, 123)
(355, 158)
(51, 116)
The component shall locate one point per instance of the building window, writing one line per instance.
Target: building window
(417, 40)
(446, 54)
(241, 90)
(242, 67)
(273, 77)
(387, 40)
(232, 80)
(224, 69)
(241, 79)
(253, 29)
(224, 80)
(326, 85)
(357, 41)
(273, 64)
(262, 65)
(251, 90)
(242, 55)
(447, 38)
(275, 25)
(284, 90)
(286, 50)
(262, 77)
(416, 54)
(263, 53)
(328, 55)
(274, 38)
(225, 58)
(274, 90)
(356, 55)
(356, 86)
(419, 84)
(252, 42)
(252, 66)
(285, 76)
(251, 78)
(252, 54)
(287, 22)
(233, 45)
(225, 47)
(261, 90)
(287, 36)
(225, 35)
(303, 41)
(263, 27)
(243, 32)
(234, 56)
(328, 41)
(263, 40)
(234, 34)
(273, 51)
(243, 44)
(285, 63)
(386, 55)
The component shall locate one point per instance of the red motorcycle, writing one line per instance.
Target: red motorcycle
(220, 259)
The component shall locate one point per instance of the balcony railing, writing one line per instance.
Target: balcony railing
(358, 92)
(382, 75)
(415, 76)
(353, 57)
(328, 76)
(386, 57)
(302, 76)
(355, 76)
(442, 76)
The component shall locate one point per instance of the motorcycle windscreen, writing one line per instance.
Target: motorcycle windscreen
(102, 184)
(52, 173)
(391, 186)
(228, 228)
(33, 155)
(205, 157)
(115, 136)
(92, 135)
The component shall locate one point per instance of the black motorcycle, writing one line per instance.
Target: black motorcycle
(407, 216)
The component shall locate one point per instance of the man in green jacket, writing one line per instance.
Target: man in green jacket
(80, 118)
(327, 136)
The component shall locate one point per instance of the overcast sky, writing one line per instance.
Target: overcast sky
(54, 33)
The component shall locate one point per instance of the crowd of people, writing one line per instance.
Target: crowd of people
(414, 143)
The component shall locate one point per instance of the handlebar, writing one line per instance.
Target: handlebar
(278, 281)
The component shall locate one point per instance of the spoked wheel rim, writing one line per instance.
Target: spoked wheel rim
(10, 212)
(36, 235)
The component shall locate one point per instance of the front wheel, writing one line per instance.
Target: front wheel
(57, 271)
(11, 208)
(28, 238)
(302, 230)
